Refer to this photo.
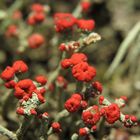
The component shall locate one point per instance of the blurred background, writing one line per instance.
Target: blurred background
(116, 57)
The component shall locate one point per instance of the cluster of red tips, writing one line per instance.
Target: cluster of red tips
(26, 90)
(130, 120)
(112, 113)
(66, 21)
(81, 70)
(8, 75)
(37, 15)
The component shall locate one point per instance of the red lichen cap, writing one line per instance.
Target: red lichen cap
(20, 111)
(31, 20)
(87, 117)
(42, 90)
(84, 104)
(64, 21)
(85, 6)
(40, 95)
(39, 17)
(83, 131)
(62, 47)
(20, 66)
(66, 63)
(94, 128)
(72, 104)
(77, 96)
(56, 126)
(33, 112)
(133, 118)
(98, 86)
(24, 87)
(41, 79)
(11, 31)
(36, 18)
(86, 25)
(101, 99)
(36, 40)
(112, 113)
(36, 7)
(91, 116)
(76, 58)
(10, 84)
(83, 72)
(8, 73)
(127, 117)
(41, 98)
(102, 111)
